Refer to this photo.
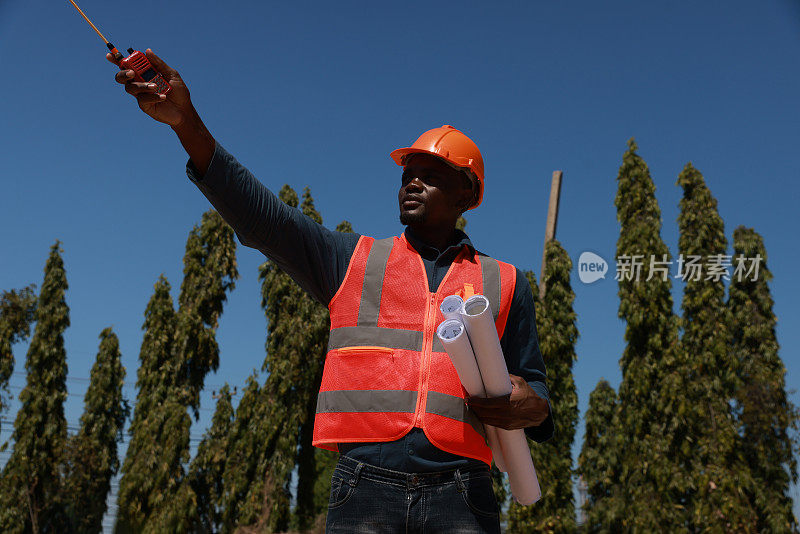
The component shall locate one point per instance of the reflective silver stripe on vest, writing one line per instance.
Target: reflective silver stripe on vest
(374, 336)
(490, 272)
(367, 401)
(375, 270)
(453, 408)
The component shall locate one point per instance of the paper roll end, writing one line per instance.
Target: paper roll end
(531, 498)
(450, 329)
(475, 305)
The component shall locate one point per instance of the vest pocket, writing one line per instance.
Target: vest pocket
(366, 350)
(362, 367)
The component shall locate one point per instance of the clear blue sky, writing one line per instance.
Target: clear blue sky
(318, 94)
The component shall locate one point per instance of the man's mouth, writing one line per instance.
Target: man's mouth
(409, 203)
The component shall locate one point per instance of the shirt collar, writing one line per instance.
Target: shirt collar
(459, 239)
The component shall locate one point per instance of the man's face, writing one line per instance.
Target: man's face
(432, 192)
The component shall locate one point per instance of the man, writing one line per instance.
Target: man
(413, 451)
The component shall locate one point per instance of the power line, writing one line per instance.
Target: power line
(20, 388)
(83, 395)
(126, 383)
(234, 393)
(126, 437)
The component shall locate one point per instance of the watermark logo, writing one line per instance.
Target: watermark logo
(591, 267)
(636, 268)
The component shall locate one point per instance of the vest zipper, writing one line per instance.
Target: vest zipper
(427, 346)
(429, 330)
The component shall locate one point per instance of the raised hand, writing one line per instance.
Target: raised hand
(173, 108)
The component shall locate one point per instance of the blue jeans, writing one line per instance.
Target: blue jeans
(370, 499)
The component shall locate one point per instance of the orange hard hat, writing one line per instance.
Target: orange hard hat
(452, 146)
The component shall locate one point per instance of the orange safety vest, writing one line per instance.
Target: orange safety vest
(386, 370)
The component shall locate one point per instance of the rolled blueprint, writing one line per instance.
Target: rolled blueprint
(456, 343)
(521, 473)
(477, 317)
(451, 307)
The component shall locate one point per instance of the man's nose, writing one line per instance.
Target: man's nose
(415, 183)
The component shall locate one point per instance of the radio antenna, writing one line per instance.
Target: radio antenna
(110, 46)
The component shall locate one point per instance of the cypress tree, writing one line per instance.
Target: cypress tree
(143, 473)
(93, 451)
(768, 420)
(17, 310)
(555, 512)
(168, 390)
(706, 442)
(31, 497)
(174, 504)
(598, 463)
(209, 273)
(207, 468)
(245, 471)
(648, 475)
(325, 462)
(344, 227)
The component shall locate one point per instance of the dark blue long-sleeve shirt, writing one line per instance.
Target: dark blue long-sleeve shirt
(317, 259)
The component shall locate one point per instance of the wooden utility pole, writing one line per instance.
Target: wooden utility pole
(552, 219)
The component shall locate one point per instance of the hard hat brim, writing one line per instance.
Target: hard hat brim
(399, 154)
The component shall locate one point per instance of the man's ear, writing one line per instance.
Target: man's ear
(464, 202)
(469, 199)
(466, 194)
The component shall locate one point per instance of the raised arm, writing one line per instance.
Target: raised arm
(315, 257)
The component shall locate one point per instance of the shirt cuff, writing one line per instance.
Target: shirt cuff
(545, 430)
(215, 167)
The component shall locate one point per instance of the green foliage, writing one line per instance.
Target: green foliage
(768, 420)
(704, 442)
(651, 334)
(17, 310)
(30, 485)
(598, 464)
(143, 473)
(325, 462)
(175, 359)
(209, 272)
(92, 457)
(245, 466)
(555, 324)
(344, 227)
(208, 466)
(305, 511)
(673, 436)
